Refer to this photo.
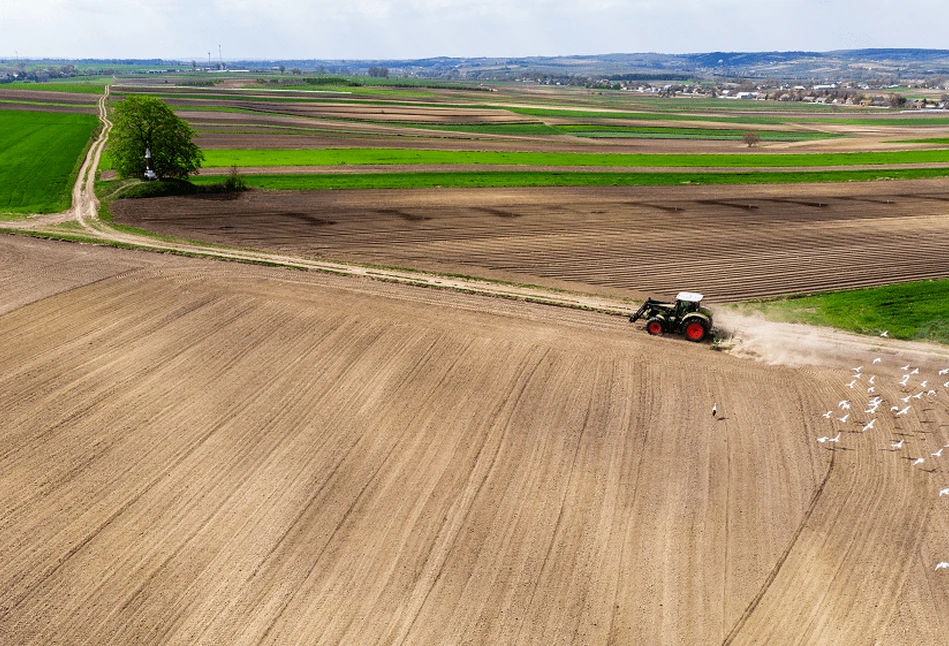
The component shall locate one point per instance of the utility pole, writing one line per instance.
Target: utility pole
(220, 56)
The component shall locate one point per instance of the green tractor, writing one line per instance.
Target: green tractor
(685, 316)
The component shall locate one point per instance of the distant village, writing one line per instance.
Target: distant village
(934, 96)
(930, 94)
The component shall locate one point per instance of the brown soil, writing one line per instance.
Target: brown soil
(201, 452)
(726, 242)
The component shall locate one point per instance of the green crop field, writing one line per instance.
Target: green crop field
(91, 86)
(40, 155)
(389, 156)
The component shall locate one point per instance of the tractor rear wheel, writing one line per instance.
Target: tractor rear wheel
(654, 326)
(695, 330)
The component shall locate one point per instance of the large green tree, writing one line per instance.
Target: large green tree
(143, 123)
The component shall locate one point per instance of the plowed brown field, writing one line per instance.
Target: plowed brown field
(197, 452)
(727, 242)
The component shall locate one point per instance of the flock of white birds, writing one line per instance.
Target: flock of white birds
(919, 390)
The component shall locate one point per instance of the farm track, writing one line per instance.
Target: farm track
(201, 452)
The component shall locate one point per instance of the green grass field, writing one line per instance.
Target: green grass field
(40, 155)
(911, 311)
(389, 156)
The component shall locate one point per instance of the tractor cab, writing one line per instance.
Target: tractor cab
(687, 302)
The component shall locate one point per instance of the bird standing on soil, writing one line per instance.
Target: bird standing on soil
(714, 410)
(919, 461)
(944, 371)
(877, 360)
(944, 492)
(942, 565)
(897, 445)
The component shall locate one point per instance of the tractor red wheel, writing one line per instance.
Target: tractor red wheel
(695, 331)
(654, 326)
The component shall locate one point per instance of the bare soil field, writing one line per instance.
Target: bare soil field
(27, 100)
(728, 242)
(198, 452)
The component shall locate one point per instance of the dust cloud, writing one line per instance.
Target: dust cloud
(796, 345)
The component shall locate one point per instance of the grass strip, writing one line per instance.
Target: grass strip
(531, 178)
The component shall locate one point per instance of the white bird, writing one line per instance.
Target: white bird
(944, 492)
(714, 410)
(905, 368)
(871, 390)
(906, 399)
(844, 418)
(931, 393)
(904, 410)
(857, 369)
(823, 439)
(922, 384)
(870, 425)
(897, 445)
(872, 379)
(835, 439)
(937, 454)
(919, 461)
(914, 371)
(904, 380)
(844, 404)
(827, 414)
(944, 371)
(940, 566)
(885, 333)
(946, 385)
(918, 395)
(894, 407)
(873, 409)
(850, 385)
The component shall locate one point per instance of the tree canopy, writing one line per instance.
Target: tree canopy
(143, 123)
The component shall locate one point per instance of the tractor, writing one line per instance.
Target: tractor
(685, 316)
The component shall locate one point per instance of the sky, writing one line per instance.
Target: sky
(408, 29)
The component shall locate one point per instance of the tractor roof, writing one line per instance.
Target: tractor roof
(690, 297)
